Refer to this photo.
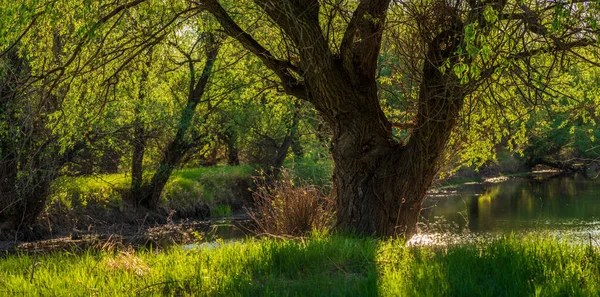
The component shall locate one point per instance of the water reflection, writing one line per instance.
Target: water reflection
(515, 206)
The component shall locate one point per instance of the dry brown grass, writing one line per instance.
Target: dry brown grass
(127, 261)
(284, 208)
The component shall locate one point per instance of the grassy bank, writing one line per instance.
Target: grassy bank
(220, 187)
(320, 266)
(216, 187)
(86, 202)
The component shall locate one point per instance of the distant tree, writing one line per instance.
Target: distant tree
(182, 142)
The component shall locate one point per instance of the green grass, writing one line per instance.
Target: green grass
(221, 185)
(77, 192)
(319, 266)
(186, 188)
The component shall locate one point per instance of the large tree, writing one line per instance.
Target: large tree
(458, 54)
(380, 182)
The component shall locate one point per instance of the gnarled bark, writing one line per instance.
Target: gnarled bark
(379, 183)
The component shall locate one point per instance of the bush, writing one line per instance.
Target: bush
(284, 208)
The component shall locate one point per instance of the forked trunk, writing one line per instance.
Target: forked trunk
(380, 184)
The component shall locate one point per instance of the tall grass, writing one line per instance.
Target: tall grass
(282, 207)
(318, 266)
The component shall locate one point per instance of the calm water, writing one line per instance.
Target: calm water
(554, 205)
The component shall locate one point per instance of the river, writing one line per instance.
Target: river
(566, 206)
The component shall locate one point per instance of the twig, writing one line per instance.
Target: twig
(35, 263)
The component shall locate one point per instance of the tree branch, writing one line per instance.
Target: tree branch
(569, 46)
(33, 21)
(295, 17)
(366, 27)
(89, 32)
(282, 68)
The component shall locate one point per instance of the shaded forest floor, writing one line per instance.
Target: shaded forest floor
(128, 236)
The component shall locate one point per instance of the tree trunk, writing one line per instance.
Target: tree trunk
(26, 208)
(25, 198)
(137, 168)
(176, 149)
(379, 184)
(152, 191)
(139, 136)
(297, 146)
(24, 178)
(110, 161)
(230, 140)
(233, 154)
(287, 142)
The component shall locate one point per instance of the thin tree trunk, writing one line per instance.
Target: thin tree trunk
(137, 169)
(110, 161)
(9, 84)
(287, 142)
(297, 146)
(139, 138)
(176, 149)
(230, 141)
(233, 154)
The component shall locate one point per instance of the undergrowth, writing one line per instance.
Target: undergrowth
(287, 208)
(213, 186)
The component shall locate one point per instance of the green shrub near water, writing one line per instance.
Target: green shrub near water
(318, 266)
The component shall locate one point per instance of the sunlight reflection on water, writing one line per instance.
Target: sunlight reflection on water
(587, 234)
(566, 208)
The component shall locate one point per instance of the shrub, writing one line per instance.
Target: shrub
(284, 208)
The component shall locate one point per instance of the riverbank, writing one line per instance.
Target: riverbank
(86, 212)
(101, 204)
(316, 266)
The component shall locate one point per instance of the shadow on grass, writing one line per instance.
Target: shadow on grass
(330, 266)
(350, 266)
